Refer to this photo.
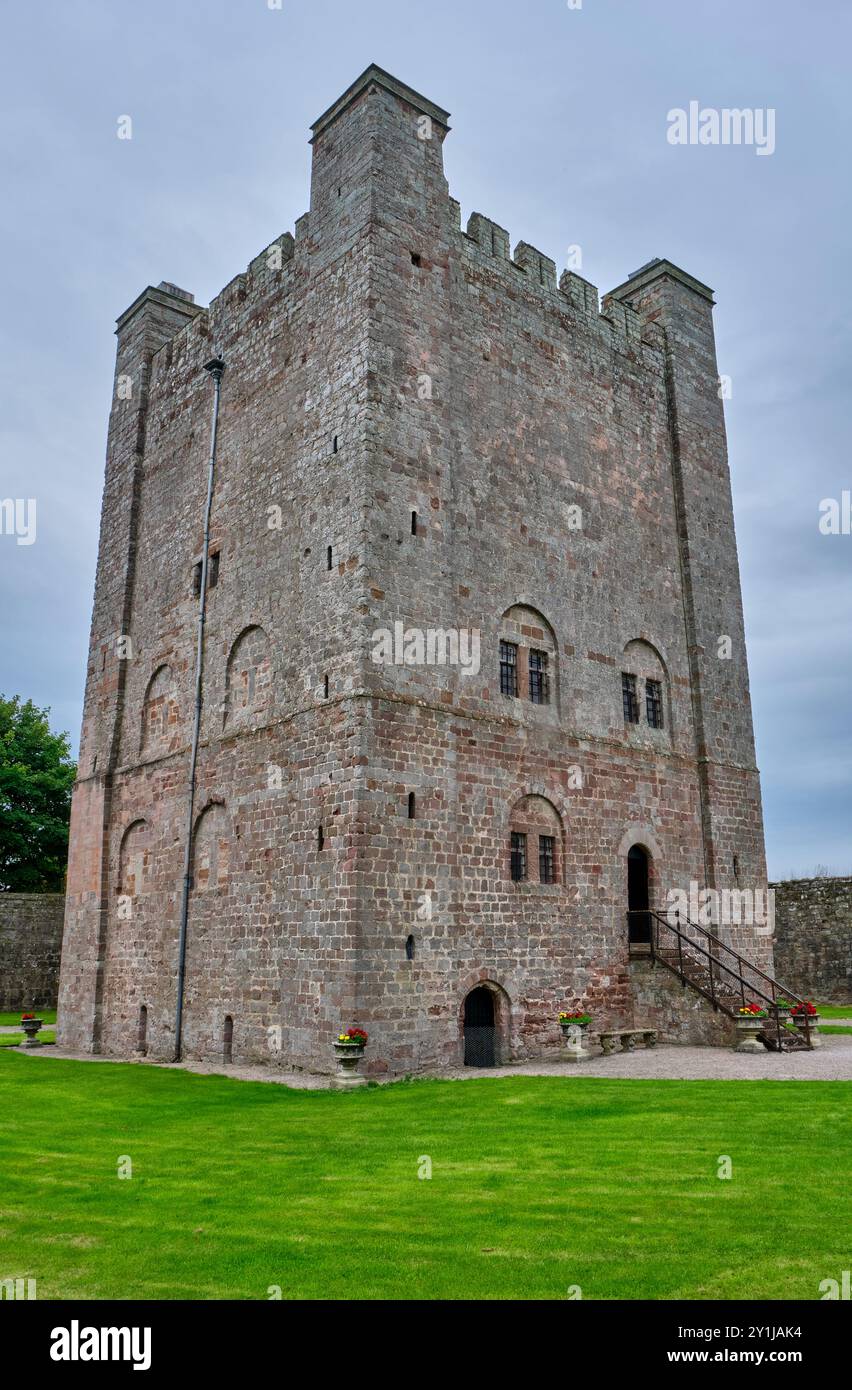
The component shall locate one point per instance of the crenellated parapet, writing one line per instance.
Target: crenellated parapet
(269, 271)
(614, 319)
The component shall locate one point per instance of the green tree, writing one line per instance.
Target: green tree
(36, 777)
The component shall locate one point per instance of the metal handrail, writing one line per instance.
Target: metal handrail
(658, 919)
(717, 941)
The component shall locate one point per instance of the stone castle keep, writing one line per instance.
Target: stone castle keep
(416, 427)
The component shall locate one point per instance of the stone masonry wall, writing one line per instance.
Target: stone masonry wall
(813, 937)
(30, 945)
(679, 1015)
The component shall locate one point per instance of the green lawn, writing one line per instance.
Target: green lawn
(10, 1020)
(834, 1010)
(538, 1184)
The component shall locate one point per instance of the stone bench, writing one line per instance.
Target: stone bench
(628, 1037)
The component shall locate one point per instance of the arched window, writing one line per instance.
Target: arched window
(409, 948)
(211, 850)
(248, 678)
(645, 695)
(535, 842)
(528, 657)
(160, 731)
(133, 859)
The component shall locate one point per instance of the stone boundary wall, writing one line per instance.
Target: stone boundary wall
(813, 937)
(30, 947)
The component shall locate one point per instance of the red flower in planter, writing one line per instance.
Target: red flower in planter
(356, 1034)
(23, 1016)
(804, 1008)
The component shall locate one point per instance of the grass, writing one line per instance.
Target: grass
(13, 1039)
(834, 1010)
(11, 1020)
(841, 1031)
(538, 1184)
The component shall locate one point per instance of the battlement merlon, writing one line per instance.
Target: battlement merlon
(376, 76)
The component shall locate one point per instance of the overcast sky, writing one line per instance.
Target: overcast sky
(559, 119)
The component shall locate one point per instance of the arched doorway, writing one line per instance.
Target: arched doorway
(638, 897)
(480, 1029)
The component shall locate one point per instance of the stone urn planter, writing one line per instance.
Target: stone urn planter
(748, 1027)
(807, 1026)
(575, 1029)
(31, 1027)
(349, 1049)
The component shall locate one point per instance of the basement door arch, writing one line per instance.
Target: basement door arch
(480, 1028)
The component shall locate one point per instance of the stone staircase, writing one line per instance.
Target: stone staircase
(728, 980)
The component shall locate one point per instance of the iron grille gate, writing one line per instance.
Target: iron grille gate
(480, 1041)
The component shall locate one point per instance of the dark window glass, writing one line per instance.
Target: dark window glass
(519, 856)
(654, 703)
(196, 580)
(629, 698)
(546, 858)
(508, 669)
(213, 570)
(539, 678)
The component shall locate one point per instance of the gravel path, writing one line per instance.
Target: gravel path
(831, 1062)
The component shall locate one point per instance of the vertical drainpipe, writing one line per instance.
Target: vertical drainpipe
(215, 368)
